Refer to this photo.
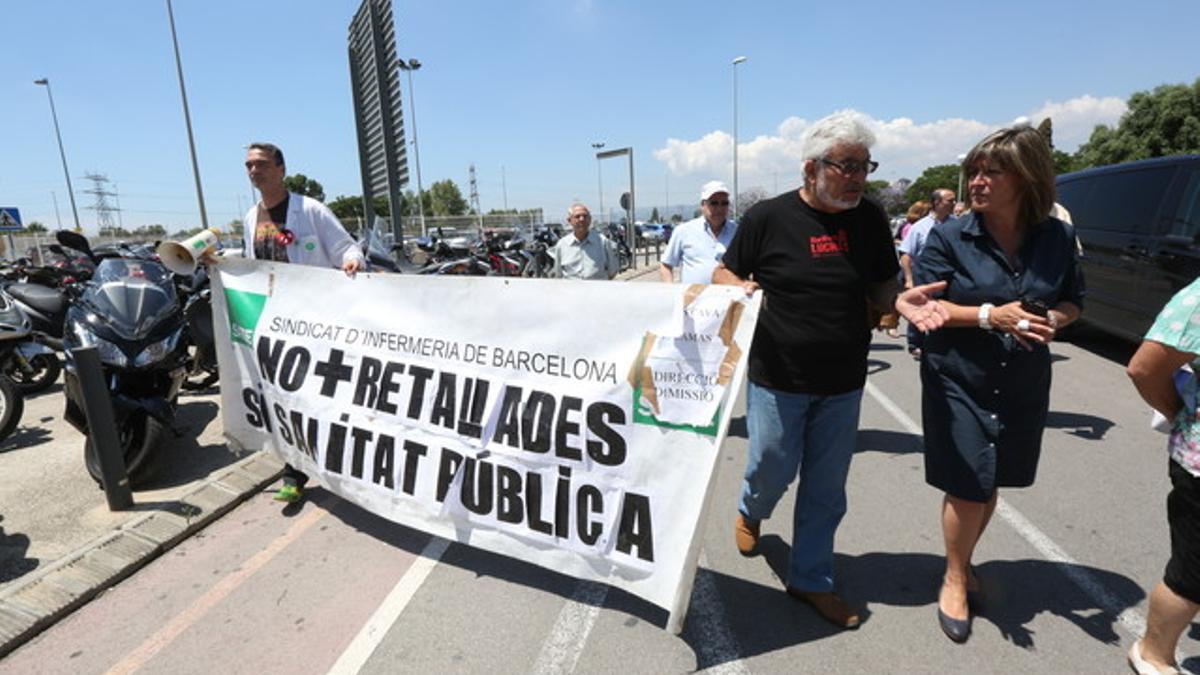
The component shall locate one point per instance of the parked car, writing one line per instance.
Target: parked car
(1139, 224)
(652, 233)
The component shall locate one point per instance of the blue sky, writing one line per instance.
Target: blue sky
(528, 85)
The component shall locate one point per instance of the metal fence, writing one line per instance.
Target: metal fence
(525, 222)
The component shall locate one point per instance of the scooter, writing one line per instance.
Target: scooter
(131, 313)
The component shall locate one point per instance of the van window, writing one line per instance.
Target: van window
(1125, 201)
(1073, 195)
(1186, 220)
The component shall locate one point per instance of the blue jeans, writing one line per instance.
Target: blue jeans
(809, 436)
(916, 339)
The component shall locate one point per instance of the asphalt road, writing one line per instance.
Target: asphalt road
(327, 587)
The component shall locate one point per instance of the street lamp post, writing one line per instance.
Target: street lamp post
(599, 179)
(45, 82)
(411, 66)
(187, 118)
(740, 59)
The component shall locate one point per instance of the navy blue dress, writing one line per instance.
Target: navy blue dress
(985, 397)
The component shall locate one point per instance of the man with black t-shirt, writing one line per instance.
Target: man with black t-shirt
(287, 227)
(825, 260)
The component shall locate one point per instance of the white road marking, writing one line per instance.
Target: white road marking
(560, 653)
(715, 642)
(368, 639)
(1129, 618)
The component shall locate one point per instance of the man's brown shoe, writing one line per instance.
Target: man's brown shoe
(745, 533)
(832, 608)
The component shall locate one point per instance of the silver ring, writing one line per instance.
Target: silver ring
(1023, 325)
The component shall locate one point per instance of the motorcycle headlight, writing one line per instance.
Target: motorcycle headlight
(109, 353)
(157, 351)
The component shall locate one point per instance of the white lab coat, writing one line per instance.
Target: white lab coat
(321, 241)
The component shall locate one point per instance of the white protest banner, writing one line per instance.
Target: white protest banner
(571, 424)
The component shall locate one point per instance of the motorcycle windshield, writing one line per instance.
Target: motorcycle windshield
(132, 295)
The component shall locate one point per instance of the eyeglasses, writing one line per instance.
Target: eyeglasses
(713, 202)
(850, 168)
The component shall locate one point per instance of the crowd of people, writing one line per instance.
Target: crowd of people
(985, 287)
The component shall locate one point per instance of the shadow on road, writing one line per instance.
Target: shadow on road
(1015, 592)
(1082, 425)
(876, 366)
(884, 440)
(765, 619)
(185, 459)
(13, 563)
(25, 437)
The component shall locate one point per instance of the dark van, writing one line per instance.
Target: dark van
(1139, 224)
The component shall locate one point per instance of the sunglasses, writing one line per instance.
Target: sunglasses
(713, 202)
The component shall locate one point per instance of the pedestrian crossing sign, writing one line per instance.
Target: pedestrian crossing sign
(10, 219)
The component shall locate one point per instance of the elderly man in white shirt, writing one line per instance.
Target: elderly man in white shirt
(699, 244)
(584, 254)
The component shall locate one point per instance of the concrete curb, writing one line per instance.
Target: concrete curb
(36, 603)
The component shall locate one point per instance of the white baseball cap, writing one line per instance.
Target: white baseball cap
(711, 188)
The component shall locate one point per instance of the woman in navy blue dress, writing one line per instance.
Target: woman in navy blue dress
(1013, 281)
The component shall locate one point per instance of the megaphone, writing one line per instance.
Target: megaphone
(181, 257)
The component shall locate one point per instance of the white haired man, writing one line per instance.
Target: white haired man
(824, 258)
(697, 245)
(914, 241)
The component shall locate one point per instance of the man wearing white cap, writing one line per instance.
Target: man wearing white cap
(698, 245)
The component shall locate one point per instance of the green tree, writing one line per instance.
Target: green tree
(351, 206)
(1063, 162)
(942, 176)
(676, 218)
(445, 199)
(875, 187)
(654, 215)
(301, 184)
(35, 226)
(1158, 123)
(151, 231)
(234, 226)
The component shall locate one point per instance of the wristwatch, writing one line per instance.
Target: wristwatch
(985, 311)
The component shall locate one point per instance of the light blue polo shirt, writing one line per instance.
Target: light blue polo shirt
(695, 251)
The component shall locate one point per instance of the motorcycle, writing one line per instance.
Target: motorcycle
(16, 348)
(131, 313)
(40, 293)
(616, 234)
(202, 371)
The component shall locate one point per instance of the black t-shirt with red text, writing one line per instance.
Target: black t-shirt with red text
(814, 269)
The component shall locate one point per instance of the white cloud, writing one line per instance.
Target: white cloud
(1075, 119)
(904, 147)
